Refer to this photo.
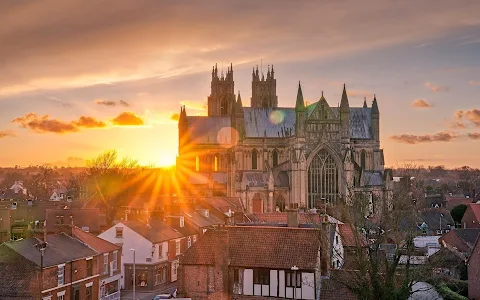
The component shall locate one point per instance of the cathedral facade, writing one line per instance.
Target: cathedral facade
(274, 158)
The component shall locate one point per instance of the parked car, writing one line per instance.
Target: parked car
(162, 296)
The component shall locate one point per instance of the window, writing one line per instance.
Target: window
(60, 297)
(261, 276)
(182, 221)
(119, 232)
(323, 180)
(254, 159)
(336, 239)
(197, 163)
(275, 158)
(290, 279)
(215, 164)
(177, 247)
(88, 294)
(61, 273)
(189, 244)
(105, 263)
(89, 267)
(175, 267)
(194, 238)
(160, 275)
(160, 251)
(114, 260)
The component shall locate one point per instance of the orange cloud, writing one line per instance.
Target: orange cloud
(44, 124)
(472, 115)
(174, 117)
(421, 103)
(427, 138)
(89, 122)
(124, 103)
(474, 136)
(105, 102)
(6, 133)
(128, 119)
(474, 82)
(194, 105)
(436, 88)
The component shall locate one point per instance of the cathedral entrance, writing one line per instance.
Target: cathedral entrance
(322, 180)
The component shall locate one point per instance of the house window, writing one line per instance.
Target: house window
(61, 273)
(175, 267)
(197, 163)
(254, 159)
(236, 276)
(119, 232)
(261, 276)
(160, 251)
(88, 294)
(182, 222)
(160, 275)
(105, 263)
(177, 247)
(290, 279)
(194, 238)
(60, 297)
(215, 164)
(89, 267)
(336, 239)
(189, 244)
(114, 260)
(275, 158)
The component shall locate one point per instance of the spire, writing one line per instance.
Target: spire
(365, 102)
(300, 105)
(239, 102)
(322, 98)
(344, 102)
(375, 105)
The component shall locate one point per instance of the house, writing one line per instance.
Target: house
(110, 262)
(473, 267)
(59, 194)
(69, 269)
(447, 262)
(435, 221)
(4, 225)
(452, 201)
(460, 241)
(471, 218)
(88, 219)
(153, 246)
(249, 262)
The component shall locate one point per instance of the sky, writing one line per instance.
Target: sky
(78, 78)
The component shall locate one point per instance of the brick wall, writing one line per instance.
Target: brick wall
(474, 273)
(469, 220)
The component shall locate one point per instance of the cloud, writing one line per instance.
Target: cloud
(111, 102)
(427, 138)
(128, 119)
(474, 136)
(49, 52)
(194, 105)
(44, 124)
(436, 88)
(471, 82)
(174, 117)
(89, 122)
(105, 102)
(421, 103)
(59, 101)
(6, 133)
(473, 116)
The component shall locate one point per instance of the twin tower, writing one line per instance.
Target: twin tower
(222, 98)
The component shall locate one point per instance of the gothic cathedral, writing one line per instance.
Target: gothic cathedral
(273, 158)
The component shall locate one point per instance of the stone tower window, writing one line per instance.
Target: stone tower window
(197, 163)
(275, 158)
(215, 163)
(254, 159)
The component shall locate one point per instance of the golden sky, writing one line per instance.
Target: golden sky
(78, 78)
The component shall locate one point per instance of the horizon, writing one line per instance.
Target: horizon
(117, 78)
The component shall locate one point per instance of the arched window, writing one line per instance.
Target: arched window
(363, 159)
(323, 186)
(275, 158)
(197, 164)
(254, 159)
(215, 163)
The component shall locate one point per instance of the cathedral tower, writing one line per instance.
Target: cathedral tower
(222, 95)
(375, 120)
(300, 113)
(345, 117)
(182, 130)
(264, 91)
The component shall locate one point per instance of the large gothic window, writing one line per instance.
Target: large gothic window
(275, 158)
(254, 159)
(197, 163)
(322, 180)
(215, 163)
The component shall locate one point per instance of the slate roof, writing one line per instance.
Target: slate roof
(200, 220)
(255, 178)
(360, 123)
(258, 122)
(208, 130)
(18, 278)
(373, 178)
(223, 204)
(432, 218)
(258, 247)
(156, 231)
(61, 248)
(281, 179)
(94, 242)
(86, 217)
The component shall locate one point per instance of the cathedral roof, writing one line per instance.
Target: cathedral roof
(360, 123)
(209, 130)
(269, 122)
(373, 178)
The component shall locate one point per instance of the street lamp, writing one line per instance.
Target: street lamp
(294, 269)
(134, 276)
(41, 247)
(441, 215)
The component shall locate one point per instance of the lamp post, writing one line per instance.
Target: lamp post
(294, 269)
(41, 247)
(441, 215)
(134, 276)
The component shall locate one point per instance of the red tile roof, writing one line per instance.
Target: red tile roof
(335, 290)
(475, 207)
(156, 231)
(258, 247)
(451, 202)
(462, 239)
(348, 236)
(94, 242)
(282, 217)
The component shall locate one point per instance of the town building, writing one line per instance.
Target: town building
(248, 262)
(471, 218)
(473, 267)
(274, 157)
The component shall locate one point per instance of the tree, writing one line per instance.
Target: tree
(457, 212)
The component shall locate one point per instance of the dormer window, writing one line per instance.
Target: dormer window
(207, 213)
(182, 221)
(119, 232)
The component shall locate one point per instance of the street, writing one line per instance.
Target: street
(148, 295)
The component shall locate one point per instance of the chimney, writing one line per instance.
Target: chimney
(292, 218)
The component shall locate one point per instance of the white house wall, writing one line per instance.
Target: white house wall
(308, 286)
(248, 282)
(273, 282)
